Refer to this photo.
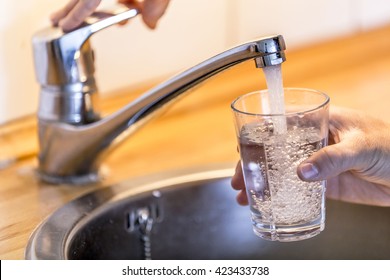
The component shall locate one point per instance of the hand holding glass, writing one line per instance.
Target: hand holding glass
(283, 207)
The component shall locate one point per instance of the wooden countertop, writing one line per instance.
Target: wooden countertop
(198, 130)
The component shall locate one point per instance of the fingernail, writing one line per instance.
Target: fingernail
(309, 171)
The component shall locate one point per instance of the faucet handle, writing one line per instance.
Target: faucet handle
(107, 17)
(64, 68)
(63, 58)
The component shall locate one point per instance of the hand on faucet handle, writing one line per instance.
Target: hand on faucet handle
(74, 13)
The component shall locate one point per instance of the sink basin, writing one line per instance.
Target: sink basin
(193, 215)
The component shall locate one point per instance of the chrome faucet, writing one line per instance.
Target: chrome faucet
(73, 138)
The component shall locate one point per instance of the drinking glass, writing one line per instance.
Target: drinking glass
(283, 207)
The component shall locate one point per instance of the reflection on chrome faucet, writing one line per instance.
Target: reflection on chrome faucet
(72, 137)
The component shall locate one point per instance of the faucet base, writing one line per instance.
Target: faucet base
(85, 179)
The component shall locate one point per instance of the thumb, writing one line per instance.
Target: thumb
(328, 162)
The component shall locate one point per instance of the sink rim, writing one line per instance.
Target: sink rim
(78, 211)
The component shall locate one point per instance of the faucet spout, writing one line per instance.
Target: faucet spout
(71, 150)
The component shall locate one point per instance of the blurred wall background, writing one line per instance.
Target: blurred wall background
(190, 31)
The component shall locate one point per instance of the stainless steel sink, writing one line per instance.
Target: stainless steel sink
(193, 215)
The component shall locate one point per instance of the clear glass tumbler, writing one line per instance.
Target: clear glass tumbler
(283, 207)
